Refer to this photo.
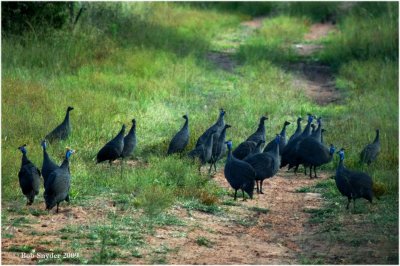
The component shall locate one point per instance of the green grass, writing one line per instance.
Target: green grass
(203, 241)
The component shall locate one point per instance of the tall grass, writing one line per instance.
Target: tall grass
(146, 61)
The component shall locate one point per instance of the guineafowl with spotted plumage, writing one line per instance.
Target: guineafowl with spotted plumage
(217, 127)
(181, 139)
(113, 149)
(297, 132)
(247, 147)
(371, 151)
(58, 184)
(265, 164)
(289, 152)
(260, 132)
(129, 142)
(63, 130)
(239, 174)
(48, 164)
(29, 177)
(204, 151)
(258, 149)
(353, 184)
(219, 148)
(282, 140)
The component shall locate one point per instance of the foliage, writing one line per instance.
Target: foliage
(19, 17)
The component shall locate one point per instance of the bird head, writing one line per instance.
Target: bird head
(341, 154)
(287, 123)
(263, 118)
(70, 108)
(310, 118)
(22, 149)
(313, 126)
(319, 120)
(332, 149)
(222, 112)
(227, 126)
(185, 116)
(69, 152)
(229, 144)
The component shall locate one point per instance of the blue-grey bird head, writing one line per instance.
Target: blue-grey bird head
(319, 120)
(22, 149)
(341, 154)
(263, 118)
(299, 119)
(277, 138)
(44, 144)
(313, 126)
(69, 153)
(310, 118)
(287, 123)
(221, 112)
(134, 122)
(229, 144)
(227, 126)
(332, 149)
(185, 116)
(70, 108)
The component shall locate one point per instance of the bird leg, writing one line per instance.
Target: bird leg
(122, 164)
(258, 189)
(261, 182)
(305, 170)
(295, 169)
(348, 203)
(315, 172)
(310, 171)
(244, 199)
(57, 208)
(234, 198)
(215, 166)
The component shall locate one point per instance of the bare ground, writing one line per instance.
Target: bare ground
(270, 234)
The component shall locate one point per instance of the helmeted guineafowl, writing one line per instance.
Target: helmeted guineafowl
(288, 153)
(61, 131)
(219, 148)
(245, 148)
(312, 129)
(204, 151)
(29, 177)
(239, 174)
(113, 149)
(266, 164)
(297, 132)
(371, 151)
(58, 184)
(317, 133)
(181, 139)
(260, 132)
(129, 141)
(48, 165)
(312, 153)
(352, 184)
(258, 149)
(282, 140)
(217, 127)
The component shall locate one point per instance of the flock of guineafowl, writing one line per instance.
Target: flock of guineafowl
(246, 166)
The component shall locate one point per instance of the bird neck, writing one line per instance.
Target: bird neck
(220, 121)
(223, 134)
(229, 154)
(322, 138)
(377, 136)
(186, 123)
(65, 163)
(66, 119)
(25, 159)
(306, 131)
(283, 131)
(298, 129)
(261, 126)
(133, 129)
(341, 165)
